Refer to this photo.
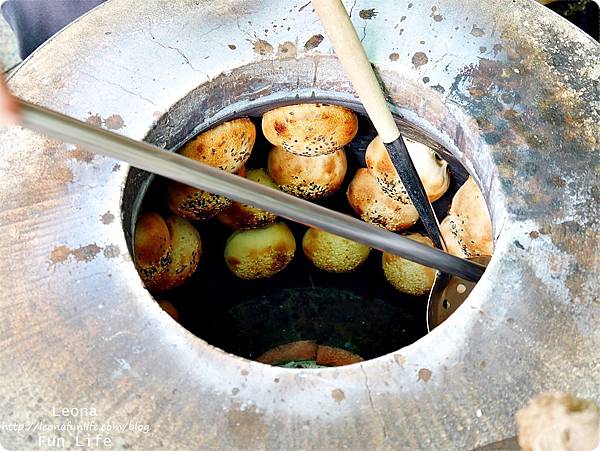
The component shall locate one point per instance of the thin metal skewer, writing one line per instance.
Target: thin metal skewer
(177, 167)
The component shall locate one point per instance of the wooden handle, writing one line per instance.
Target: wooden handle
(351, 54)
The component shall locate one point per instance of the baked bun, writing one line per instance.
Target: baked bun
(310, 129)
(186, 248)
(260, 253)
(432, 170)
(467, 230)
(226, 146)
(307, 177)
(333, 253)
(152, 246)
(194, 204)
(242, 216)
(369, 201)
(406, 276)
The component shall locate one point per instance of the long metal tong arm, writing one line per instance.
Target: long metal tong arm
(412, 183)
(177, 167)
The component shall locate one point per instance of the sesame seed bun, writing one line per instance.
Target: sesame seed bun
(226, 146)
(310, 129)
(152, 246)
(186, 248)
(307, 177)
(467, 230)
(260, 253)
(242, 216)
(432, 171)
(194, 204)
(333, 253)
(406, 276)
(369, 201)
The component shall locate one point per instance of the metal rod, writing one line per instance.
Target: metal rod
(177, 167)
(416, 191)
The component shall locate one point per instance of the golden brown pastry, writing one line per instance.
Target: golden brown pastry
(432, 171)
(242, 216)
(152, 245)
(406, 276)
(467, 230)
(260, 253)
(333, 253)
(226, 146)
(307, 177)
(194, 204)
(310, 129)
(186, 248)
(370, 202)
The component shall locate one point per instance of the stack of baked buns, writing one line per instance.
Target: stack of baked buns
(306, 159)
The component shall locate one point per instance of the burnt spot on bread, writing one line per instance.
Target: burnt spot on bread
(233, 262)
(330, 166)
(279, 127)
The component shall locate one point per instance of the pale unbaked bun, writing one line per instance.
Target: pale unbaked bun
(370, 202)
(242, 216)
(152, 246)
(310, 129)
(333, 253)
(194, 204)
(186, 248)
(260, 253)
(432, 171)
(467, 230)
(406, 276)
(559, 422)
(226, 146)
(307, 177)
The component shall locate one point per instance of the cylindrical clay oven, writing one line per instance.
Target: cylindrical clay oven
(507, 92)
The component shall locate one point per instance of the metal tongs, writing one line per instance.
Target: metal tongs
(177, 167)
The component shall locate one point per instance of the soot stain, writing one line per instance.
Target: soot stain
(86, 253)
(262, 47)
(111, 251)
(107, 218)
(477, 32)
(424, 375)
(313, 42)
(82, 155)
(338, 395)
(114, 122)
(59, 254)
(419, 59)
(367, 14)
(286, 49)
